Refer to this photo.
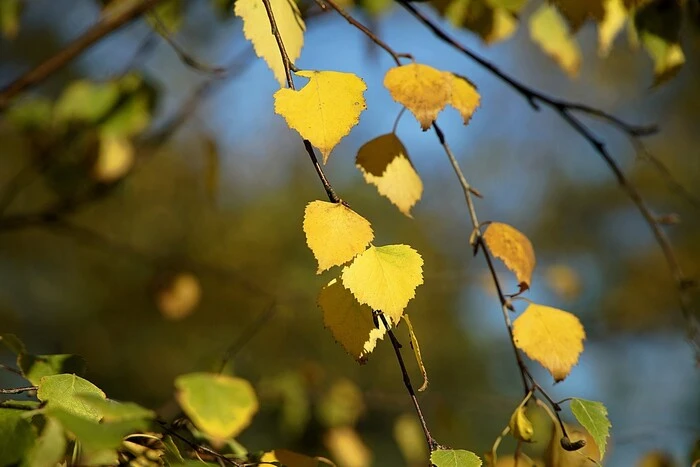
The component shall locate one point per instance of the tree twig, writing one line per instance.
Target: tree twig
(102, 28)
(288, 67)
(18, 390)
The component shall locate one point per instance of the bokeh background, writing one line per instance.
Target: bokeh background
(213, 208)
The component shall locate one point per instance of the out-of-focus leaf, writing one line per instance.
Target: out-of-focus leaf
(179, 296)
(13, 343)
(376, 8)
(94, 435)
(35, 367)
(548, 30)
(132, 116)
(16, 436)
(410, 438)
(611, 24)
(49, 448)
(289, 458)
(10, 11)
(221, 406)
(347, 448)
(86, 101)
(341, 405)
(577, 12)
(492, 20)
(30, 113)
(170, 14)
(658, 25)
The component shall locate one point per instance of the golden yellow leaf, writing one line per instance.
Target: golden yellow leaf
(521, 426)
(347, 448)
(514, 249)
(289, 458)
(114, 160)
(350, 323)
(256, 28)
(384, 162)
(409, 436)
(550, 336)
(416, 351)
(325, 110)
(335, 233)
(425, 91)
(550, 32)
(611, 24)
(577, 12)
(385, 278)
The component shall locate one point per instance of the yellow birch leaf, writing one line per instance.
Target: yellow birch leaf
(350, 323)
(422, 89)
(611, 25)
(256, 28)
(425, 91)
(464, 97)
(514, 249)
(325, 110)
(550, 32)
(385, 278)
(550, 336)
(416, 351)
(384, 162)
(347, 448)
(335, 233)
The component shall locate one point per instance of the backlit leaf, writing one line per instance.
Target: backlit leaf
(50, 446)
(611, 24)
(61, 392)
(454, 458)
(178, 296)
(550, 336)
(350, 323)
(325, 110)
(341, 405)
(221, 406)
(577, 12)
(335, 233)
(96, 436)
(35, 367)
(86, 101)
(593, 416)
(385, 278)
(492, 20)
(425, 91)
(16, 436)
(347, 448)
(521, 426)
(658, 25)
(114, 159)
(514, 249)
(409, 436)
(113, 411)
(548, 30)
(384, 162)
(256, 28)
(416, 352)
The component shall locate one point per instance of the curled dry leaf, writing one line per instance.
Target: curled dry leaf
(552, 337)
(514, 249)
(335, 233)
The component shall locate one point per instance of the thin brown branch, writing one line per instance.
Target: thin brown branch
(288, 68)
(373, 37)
(17, 390)
(10, 369)
(186, 58)
(102, 28)
(198, 448)
(565, 110)
(432, 444)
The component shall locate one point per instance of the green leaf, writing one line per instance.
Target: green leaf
(454, 458)
(172, 453)
(61, 392)
(16, 436)
(30, 113)
(35, 367)
(96, 436)
(13, 343)
(131, 117)
(221, 406)
(593, 416)
(49, 448)
(10, 11)
(113, 411)
(86, 101)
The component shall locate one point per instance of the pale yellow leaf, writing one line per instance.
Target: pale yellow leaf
(325, 110)
(514, 249)
(347, 448)
(256, 28)
(416, 351)
(335, 233)
(114, 159)
(384, 162)
(611, 25)
(409, 436)
(552, 337)
(564, 281)
(385, 278)
(179, 296)
(350, 323)
(425, 91)
(550, 32)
